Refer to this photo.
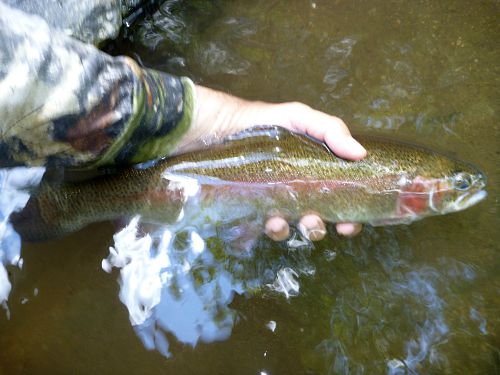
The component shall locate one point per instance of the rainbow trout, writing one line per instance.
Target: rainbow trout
(260, 173)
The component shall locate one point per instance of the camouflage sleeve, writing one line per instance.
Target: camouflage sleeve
(66, 103)
(91, 21)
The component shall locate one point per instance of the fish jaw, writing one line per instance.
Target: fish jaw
(466, 200)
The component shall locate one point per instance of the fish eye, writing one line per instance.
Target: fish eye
(462, 181)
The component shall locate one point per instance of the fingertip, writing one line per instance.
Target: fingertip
(357, 149)
(277, 228)
(312, 227)
(345, 147)
(348, 229)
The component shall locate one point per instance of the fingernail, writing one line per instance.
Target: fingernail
(348, 229)
(277, 233)
(315, 233)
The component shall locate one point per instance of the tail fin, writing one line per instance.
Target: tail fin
(31, 226)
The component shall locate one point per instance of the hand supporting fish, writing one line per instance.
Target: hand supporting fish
(250, 176)
(220, 115)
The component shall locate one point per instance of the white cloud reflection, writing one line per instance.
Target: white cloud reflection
(14, 193)
(167, 289)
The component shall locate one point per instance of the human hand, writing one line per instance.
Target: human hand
(333, 131)
(220, 115)
(310, 225)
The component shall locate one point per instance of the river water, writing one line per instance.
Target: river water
(417, 299)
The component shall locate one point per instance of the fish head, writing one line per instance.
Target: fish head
(456, 190)
(462, 190)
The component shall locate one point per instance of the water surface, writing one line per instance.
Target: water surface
(423, 298)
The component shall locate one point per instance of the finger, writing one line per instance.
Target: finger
(348, 229)
(345, 147)
(312, 227)
(329, 129)
(277, 228)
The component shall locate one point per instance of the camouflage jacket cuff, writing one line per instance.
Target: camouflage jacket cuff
(169, 112)
(163, 108)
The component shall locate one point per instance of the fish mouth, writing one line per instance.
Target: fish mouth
(466, 200)
(481, 181)
(475, 198)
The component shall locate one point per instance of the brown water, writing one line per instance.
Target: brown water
(423, 298)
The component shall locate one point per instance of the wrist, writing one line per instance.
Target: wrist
(215, 116)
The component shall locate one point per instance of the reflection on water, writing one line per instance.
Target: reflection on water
(14, 193)
(406, 298)
(171, 289)
(184, 287)
(418, 299)
(395, 313)
(186, 291)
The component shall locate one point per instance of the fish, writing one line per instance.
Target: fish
(258, 173)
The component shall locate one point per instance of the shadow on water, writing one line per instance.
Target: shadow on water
(418, 299)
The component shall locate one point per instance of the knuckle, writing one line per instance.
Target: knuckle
(339, 123)
(298, 107)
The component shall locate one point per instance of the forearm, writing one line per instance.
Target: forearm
(66, 103)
